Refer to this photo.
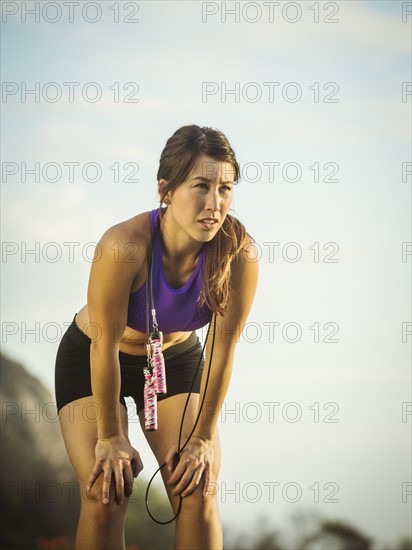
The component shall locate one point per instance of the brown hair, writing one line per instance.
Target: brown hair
(177, 160)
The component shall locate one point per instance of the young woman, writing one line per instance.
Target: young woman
(204, 267)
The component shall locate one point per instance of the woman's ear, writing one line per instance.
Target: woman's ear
(166, 199)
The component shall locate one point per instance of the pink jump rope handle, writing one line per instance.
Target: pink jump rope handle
(150, 402)
(158, 362)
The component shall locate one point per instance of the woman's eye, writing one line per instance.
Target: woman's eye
(226, 188)
(223, 189)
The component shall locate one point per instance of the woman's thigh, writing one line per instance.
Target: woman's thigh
(169, 412)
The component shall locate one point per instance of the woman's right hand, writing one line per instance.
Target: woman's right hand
(115, 456)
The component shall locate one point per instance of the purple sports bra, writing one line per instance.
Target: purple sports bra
(177, 309)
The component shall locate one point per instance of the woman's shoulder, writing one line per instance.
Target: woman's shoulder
(135, 230)
(245, 263)
(250, 249)
(247, 250)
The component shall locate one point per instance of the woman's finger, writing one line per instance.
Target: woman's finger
(128, 480)
(97, 470)
(185, 480)
(107, 478)
(207, 482)
(170, 458)
(137, 463)
(179, 470)
(197, 476)
(119, 479)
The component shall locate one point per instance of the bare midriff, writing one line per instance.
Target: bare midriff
(132, 341)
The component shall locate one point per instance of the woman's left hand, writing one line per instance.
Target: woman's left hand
(195, 462)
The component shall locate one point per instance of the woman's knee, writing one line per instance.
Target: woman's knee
(92, 506)
(201, 507)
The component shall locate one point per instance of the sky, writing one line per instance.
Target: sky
(315, 99)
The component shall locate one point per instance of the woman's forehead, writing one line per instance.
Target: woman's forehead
(211, 169)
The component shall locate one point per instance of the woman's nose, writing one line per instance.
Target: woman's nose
(212, 201)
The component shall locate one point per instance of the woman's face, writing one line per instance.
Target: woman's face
(206, 195)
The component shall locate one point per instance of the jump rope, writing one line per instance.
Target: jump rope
(155, 375)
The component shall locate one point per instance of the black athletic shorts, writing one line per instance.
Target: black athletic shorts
(72, 369)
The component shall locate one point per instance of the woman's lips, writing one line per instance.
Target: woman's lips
(208, 224)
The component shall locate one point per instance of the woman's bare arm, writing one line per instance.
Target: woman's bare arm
(111, 277)
(228, 330)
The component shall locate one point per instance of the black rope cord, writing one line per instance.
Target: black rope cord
(180, 449)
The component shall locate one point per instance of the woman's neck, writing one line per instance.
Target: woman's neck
(178, 246)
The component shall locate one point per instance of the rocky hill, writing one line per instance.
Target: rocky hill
(40, 501)
(37, 480)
